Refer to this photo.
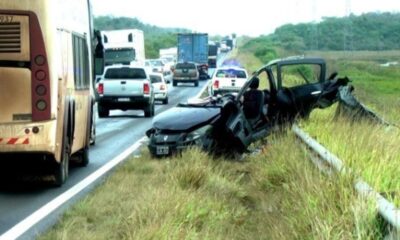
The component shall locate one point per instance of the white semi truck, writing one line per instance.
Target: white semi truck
(124, 46)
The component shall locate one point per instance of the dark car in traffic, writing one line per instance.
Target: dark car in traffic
(186, 72)
(277, 93)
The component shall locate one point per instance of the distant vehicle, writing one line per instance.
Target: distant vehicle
(160, 87)
(46, 91)
(276, 94)
(185, 72)
(193, 47)
(159, 66)
(228, 79)
(125, 87)
(124, 46)
(212, 55)
(155, 65)
(224, 48)
(229, 43)
(169, 53)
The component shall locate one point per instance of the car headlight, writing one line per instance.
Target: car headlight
(197, 134)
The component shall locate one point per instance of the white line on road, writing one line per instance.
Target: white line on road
(203, 89)
(44, 211)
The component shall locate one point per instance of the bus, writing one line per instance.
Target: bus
(46, 83)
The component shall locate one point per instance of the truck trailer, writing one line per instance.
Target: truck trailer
(193, 47)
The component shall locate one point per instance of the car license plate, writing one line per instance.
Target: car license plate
(123, 99)
(162, 150)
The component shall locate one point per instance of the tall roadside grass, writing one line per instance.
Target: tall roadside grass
(370, 150)
(274, 195)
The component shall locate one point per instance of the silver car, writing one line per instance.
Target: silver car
(160, 87)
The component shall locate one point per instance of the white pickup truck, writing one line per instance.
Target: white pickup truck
(125, 87)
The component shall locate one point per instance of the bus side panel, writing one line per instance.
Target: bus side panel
(80, 84)
(82, 108)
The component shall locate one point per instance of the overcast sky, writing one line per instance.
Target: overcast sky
(244, 17)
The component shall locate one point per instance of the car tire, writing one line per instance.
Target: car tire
(196, 83)
(103, 112)
(149, 110)
(165, 101)
(174, 83)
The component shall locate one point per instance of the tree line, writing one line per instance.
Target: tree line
(155, 37)
(369, 31)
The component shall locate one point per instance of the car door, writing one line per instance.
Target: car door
(301, 86)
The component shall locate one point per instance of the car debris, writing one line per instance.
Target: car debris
(354, 110)
(277, 93)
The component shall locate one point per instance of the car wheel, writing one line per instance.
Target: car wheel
(103, 112)
(165, 101)
(149, 110)
(196, 83)
(153, 109)
(174, 83)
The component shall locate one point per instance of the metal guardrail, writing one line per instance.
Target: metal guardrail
(386, 209)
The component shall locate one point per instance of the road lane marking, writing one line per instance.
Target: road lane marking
(203, 89)
(23, 226)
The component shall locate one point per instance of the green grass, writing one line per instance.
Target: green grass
(370, 150)
(273, 195)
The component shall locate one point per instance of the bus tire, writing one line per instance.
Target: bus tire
(103, 112)
(92, 137)
(83, 157)
(196, 83)
(61, 169)
(174, 83)
(92, 140)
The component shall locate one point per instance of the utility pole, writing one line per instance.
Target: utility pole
(348, 31)
(314, 30)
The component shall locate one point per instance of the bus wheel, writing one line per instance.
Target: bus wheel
(103, 112)
(83, 157)
(92, 139)
(61, 169)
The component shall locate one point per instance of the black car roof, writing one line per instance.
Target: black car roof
(296, 60)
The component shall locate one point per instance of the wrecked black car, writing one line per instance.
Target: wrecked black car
(277, 93)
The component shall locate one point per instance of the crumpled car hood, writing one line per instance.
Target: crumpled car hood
(185, 118)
